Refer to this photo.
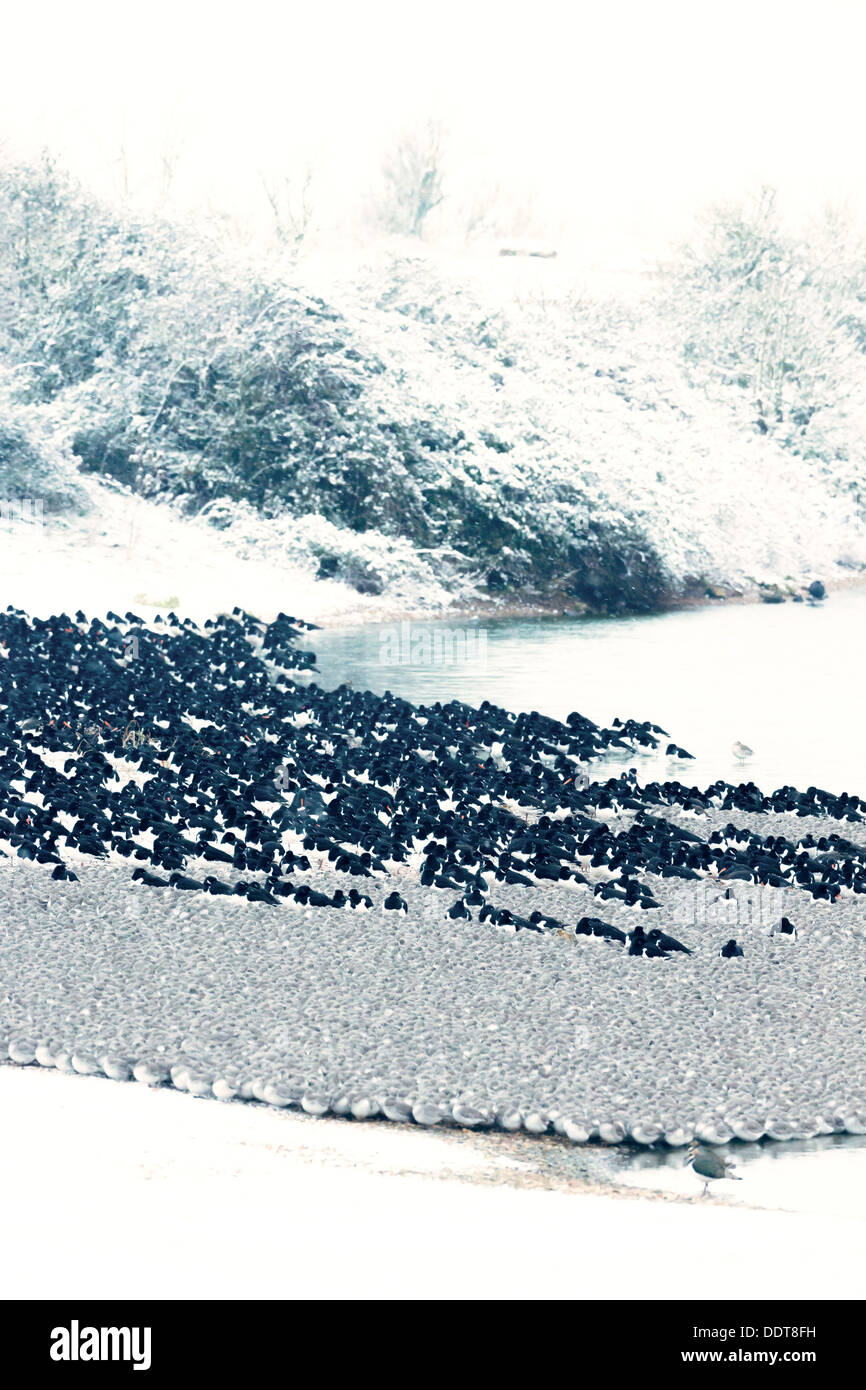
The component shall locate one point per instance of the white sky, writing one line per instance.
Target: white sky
(620, 118)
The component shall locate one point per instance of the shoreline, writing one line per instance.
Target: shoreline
(490, 1156)
(228, 1192)
(129, 544)
(514, 610)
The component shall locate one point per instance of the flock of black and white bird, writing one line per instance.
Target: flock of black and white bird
(211, 763)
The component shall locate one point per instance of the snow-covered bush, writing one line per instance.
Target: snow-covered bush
(35, 475)
(184, 373)
(72, 276)
(776, 326)
(587, 430)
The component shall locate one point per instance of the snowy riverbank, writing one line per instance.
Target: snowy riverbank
(127, 551)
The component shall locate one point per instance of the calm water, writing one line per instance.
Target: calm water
(787, 680)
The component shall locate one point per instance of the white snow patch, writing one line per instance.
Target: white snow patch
(129, 553)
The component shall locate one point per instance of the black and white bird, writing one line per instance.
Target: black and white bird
(460, 909)
(665, 942)
(730, 950)
(367, 781)
(784, 927)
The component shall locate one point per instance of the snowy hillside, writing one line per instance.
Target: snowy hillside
(584, 407)
(428, 428)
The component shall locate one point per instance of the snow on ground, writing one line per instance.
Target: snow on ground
(131, 553)
(124, 1192)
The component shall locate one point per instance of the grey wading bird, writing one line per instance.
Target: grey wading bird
(708, 1165)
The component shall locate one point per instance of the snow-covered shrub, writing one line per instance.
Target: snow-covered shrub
(183, 373)
(586, 433)
(33, 470)
(72, 277)
(775, 325)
